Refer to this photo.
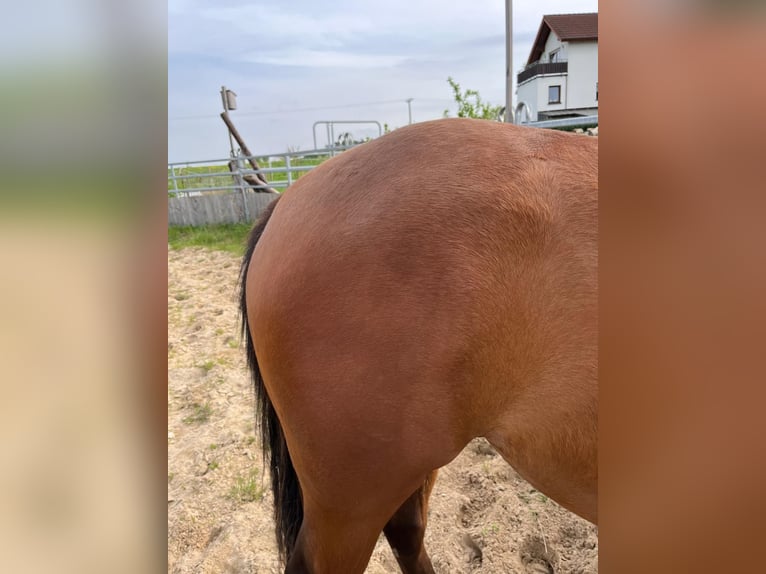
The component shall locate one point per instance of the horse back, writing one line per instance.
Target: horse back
(412, 292)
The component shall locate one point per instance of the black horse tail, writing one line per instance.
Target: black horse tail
(288, 504)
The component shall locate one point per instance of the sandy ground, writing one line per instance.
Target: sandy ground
(483, 517)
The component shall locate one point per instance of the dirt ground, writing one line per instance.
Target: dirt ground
(483, 517)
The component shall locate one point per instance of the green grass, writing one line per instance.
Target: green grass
(294, 162)
(247, 489)
(205, 177)
(200, 414)
(219, 175)
(225, 237)
(207, 366)
(229, 237)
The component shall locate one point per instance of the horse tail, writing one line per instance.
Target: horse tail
(288, 504)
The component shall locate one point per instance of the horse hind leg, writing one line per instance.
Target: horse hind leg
(327, 544)
(406, 528)
(334, 539)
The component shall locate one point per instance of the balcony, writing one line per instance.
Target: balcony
(539, 68)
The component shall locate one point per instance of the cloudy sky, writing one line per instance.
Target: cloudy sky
(295, 63)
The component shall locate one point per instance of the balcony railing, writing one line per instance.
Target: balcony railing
(538, 68)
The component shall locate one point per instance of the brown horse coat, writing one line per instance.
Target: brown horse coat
(431, 286)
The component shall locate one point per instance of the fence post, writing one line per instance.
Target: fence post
(173, 177)
(234, 166)
(240, 164)
(288, 167)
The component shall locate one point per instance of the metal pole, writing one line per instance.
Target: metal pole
(239, 164)
(508, 60)
(409, 108)
(288, 168)
(226, 111)
(175, 181)
(223, 98)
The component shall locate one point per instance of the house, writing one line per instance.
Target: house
(560, 79)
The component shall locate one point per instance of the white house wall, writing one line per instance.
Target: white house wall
(535, 93)
(583, 72)
(527, 92)
(551, 44)
(543, 83)
(578, 85)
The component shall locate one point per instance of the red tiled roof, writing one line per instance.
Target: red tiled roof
(574, 26)
(568, 27)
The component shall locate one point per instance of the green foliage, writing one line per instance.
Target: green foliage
(207, 366)
(200, 414)
(470, 104)
(247, 488)
(229, 237)
(220, 176)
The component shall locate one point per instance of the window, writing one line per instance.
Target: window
(554, 57)
(554, 94)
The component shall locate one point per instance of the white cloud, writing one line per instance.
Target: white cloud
(323, 59)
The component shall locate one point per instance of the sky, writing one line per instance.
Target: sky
(295, 63)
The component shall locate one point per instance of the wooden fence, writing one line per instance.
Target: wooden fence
(215, 208)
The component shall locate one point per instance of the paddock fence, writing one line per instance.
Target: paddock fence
(212, 192)
(227, 190)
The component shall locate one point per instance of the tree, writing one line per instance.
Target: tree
(470, 104)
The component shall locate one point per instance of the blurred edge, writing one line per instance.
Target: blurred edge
(83, 92)
(682, 283)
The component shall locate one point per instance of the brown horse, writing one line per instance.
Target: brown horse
(432, 286)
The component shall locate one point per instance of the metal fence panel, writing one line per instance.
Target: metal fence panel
(208, 192)
(215, 191)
